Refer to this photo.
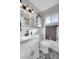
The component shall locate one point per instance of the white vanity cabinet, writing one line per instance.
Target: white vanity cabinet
(29, 50)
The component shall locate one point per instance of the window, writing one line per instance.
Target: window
(52, 18)
(47, 19)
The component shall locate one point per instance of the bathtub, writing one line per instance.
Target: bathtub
(45, 44)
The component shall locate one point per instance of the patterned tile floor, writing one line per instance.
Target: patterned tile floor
(51, 55)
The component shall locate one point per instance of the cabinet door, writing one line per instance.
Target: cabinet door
(39, 22)
(35, 49)
(25, 18)
(25, 21)
(25, 52)
(33, 20)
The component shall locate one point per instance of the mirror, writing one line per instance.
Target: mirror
(31, 20)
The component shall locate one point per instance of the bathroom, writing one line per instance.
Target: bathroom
(39, 29)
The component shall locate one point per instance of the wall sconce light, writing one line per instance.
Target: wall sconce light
(20, 0)
(23, 7)
(27, 8)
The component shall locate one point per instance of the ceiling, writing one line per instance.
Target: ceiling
(43, 5)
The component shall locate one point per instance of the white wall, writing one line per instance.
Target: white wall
(52, 11)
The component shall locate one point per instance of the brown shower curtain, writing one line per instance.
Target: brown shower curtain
(51, 32)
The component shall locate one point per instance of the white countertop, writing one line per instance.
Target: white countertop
(24, 38)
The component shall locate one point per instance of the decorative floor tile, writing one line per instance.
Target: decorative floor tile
(51, 55)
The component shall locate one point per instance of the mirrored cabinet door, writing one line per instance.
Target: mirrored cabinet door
(39, 22)
(25, 18)
(25, 21)
(33, 20)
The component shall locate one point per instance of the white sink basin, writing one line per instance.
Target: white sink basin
(23, 38)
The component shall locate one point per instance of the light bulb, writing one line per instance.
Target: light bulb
(27, 8)
(32, 10)
(20, 4)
